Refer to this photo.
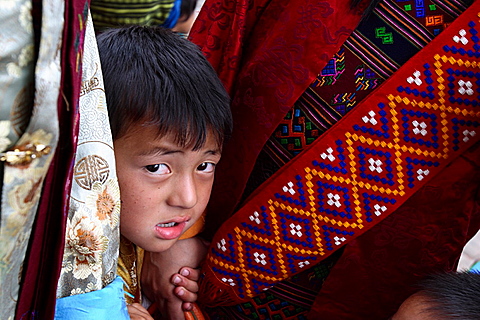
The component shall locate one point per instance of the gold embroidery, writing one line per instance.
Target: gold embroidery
(91, 169)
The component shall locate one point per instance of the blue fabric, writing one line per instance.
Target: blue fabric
(173, 15)
(108, 303)
(475, 267)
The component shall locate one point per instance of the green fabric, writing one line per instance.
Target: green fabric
(114, 13)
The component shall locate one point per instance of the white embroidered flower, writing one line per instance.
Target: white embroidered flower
(4, 131)
(104, 200)
(26, 56)
(66, 266)
(25, 17)
(13, 70)
(76, 291)
(86, 244)
(90, 287)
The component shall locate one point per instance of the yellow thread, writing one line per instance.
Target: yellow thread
(352, 168)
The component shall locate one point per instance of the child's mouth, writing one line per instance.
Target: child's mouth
(167, 225)
(170, 230)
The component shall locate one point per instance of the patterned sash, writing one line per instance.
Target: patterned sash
(358, 173)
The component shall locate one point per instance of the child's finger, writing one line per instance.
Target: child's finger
(181, 281)
(190, 273)
(185, 295)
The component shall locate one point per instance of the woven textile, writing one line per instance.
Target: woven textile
(354, 72)
(350, 75)
(110, 14)
(360, 172)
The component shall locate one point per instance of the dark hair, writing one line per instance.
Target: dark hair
(452, 295)
(187, 7)
(153, 75)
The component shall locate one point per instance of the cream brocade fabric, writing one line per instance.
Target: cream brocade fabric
(92, 234)
(19, 106)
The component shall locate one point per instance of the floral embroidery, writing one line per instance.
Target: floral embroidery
(25, 17)
(86, 244)
(24, 58)
(105, 201)
(67, 266)
(76, 291)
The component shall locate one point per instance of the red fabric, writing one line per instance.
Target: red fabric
(44, 257)
(396, 104)
(236, 264)
(379, 270)
(262, 51)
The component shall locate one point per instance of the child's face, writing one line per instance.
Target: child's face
(164, 188)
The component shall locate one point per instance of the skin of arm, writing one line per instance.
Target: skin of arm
(169, 278)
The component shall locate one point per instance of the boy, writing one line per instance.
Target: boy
(169, 115)
(444, 296)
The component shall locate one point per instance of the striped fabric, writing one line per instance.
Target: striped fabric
(113, 13)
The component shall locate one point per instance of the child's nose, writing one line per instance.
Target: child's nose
(183, 193)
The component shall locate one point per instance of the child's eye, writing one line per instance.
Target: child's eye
(206, 167)
(158, 168)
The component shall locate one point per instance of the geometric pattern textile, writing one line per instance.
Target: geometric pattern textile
(345, 81)
(356, 70)
(365, 60)
(358, 173)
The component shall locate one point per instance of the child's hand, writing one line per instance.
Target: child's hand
(158, 273)
(138, 312)
(186, 286)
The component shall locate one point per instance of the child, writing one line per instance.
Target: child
(169, 115)
(444, 297)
